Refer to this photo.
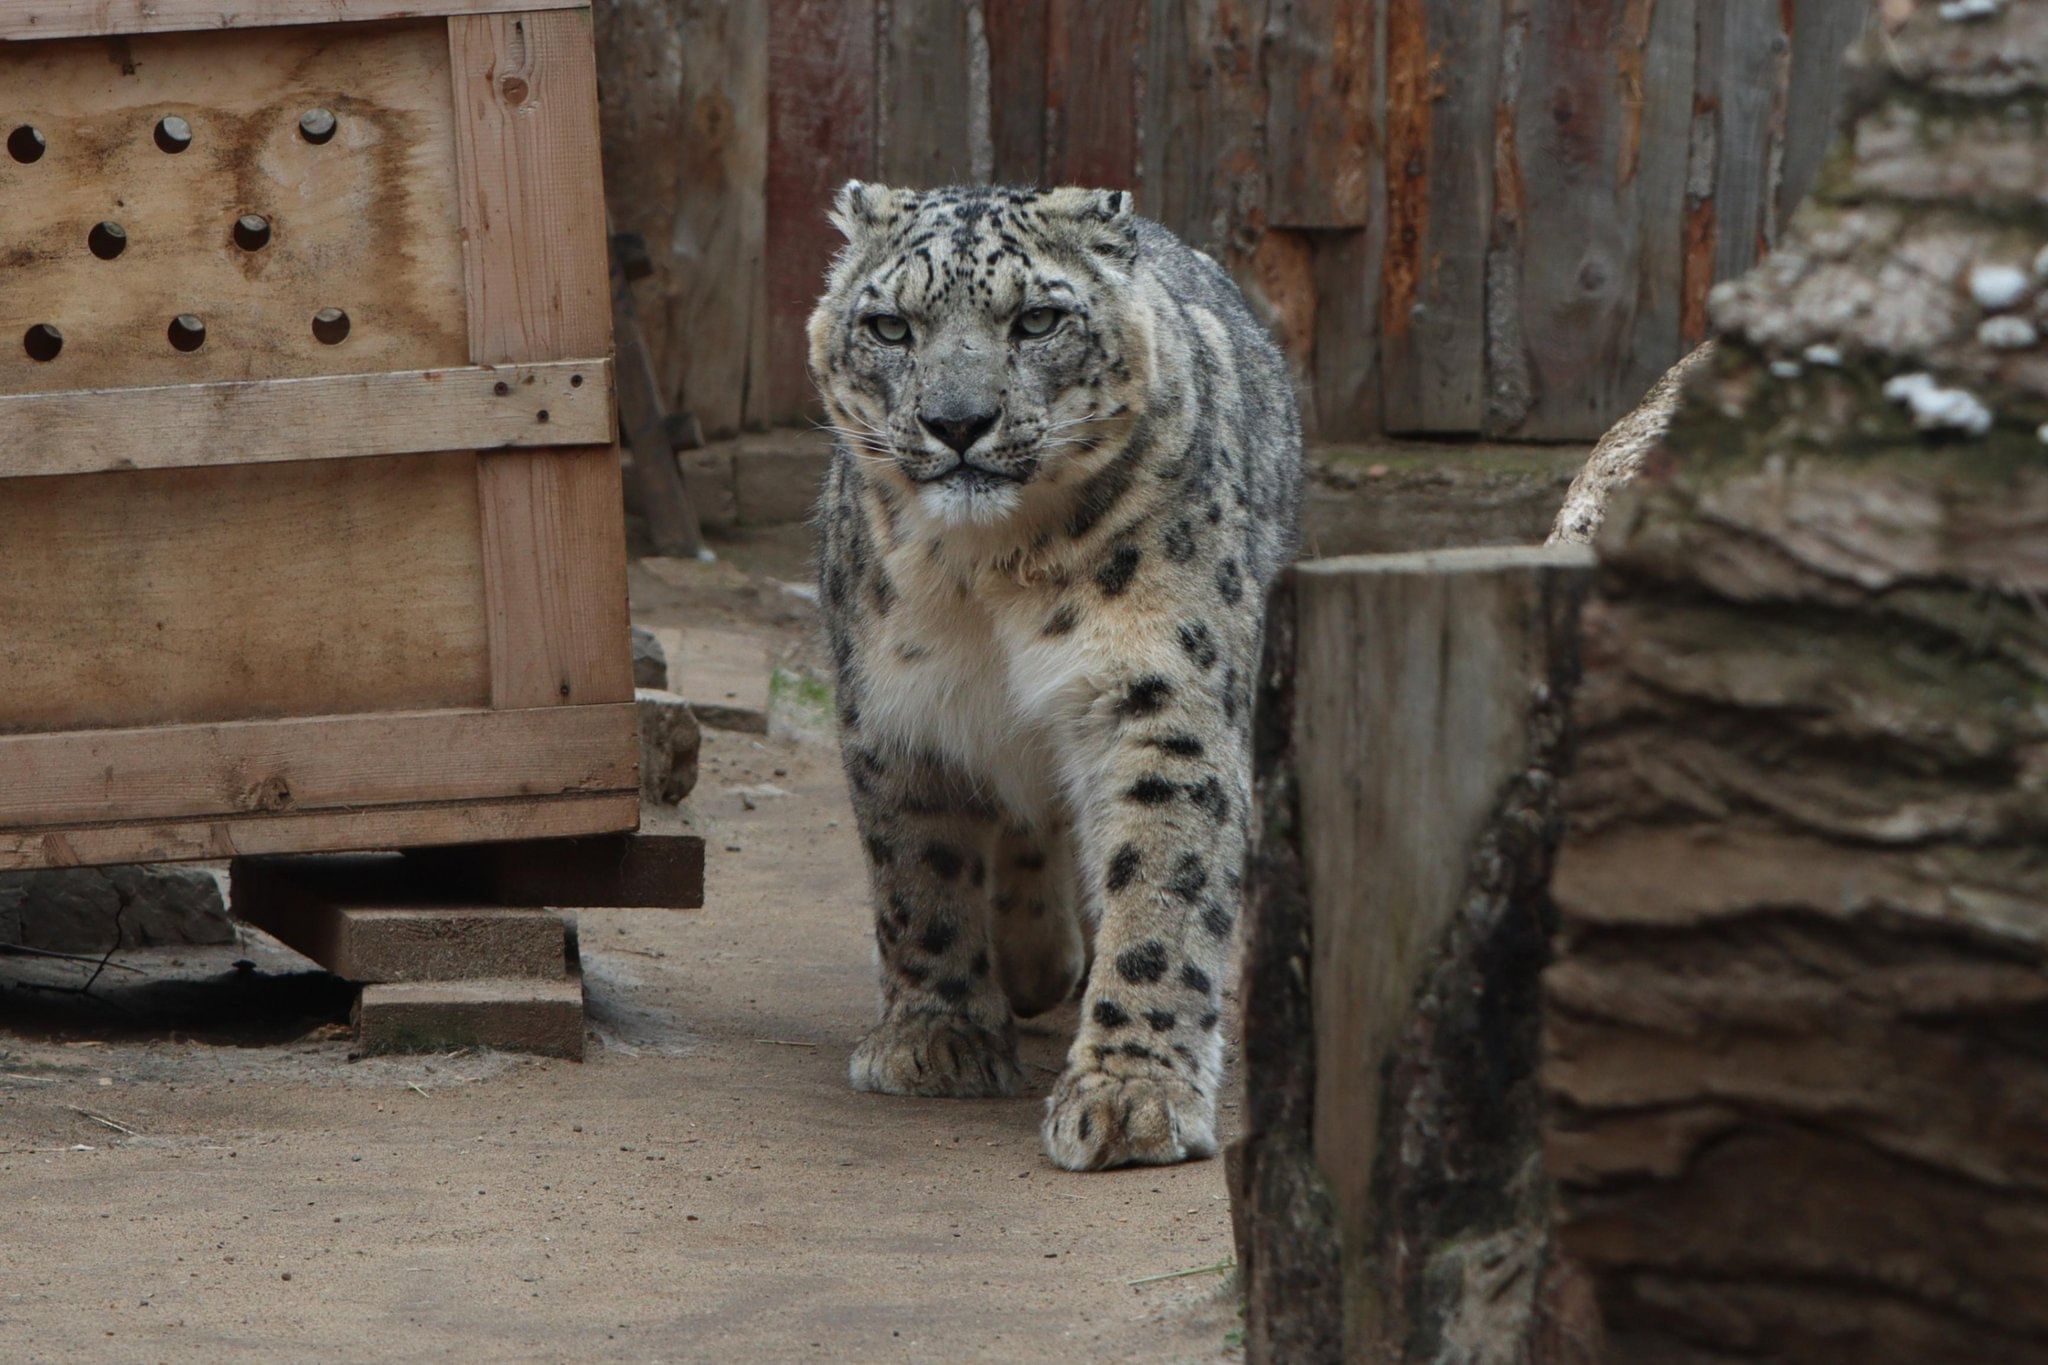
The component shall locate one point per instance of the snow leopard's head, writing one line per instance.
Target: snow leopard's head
(973, 343)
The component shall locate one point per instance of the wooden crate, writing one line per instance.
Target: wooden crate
(319, 581)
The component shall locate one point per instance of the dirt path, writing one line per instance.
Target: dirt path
(705, 1186)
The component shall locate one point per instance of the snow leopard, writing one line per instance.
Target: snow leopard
(1067, 462)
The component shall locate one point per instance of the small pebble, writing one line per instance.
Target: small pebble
(2007, 333)
(1997, 286)
(1820, 353)
(1969, 11)
(1786, 369)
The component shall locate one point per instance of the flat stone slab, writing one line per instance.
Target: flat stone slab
(722, 674)
(541, 1017)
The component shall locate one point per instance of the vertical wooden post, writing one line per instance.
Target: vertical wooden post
(534, 264)
(1411, 732)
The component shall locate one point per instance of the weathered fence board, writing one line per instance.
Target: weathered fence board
(924, 106)
(1511, 210)
(1091, 91)
(821, 132)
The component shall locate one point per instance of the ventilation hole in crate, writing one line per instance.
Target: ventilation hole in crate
(541, 416)
(107, 240)
(575, 381)
(330, 325)
(252, 232)
(317, 126)
(501, 388)
(173, 134)
(25, 144)
(187, 332)
(42, 342)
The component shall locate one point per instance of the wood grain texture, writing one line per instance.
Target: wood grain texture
(1203, 163)
(195, 595)
(1822, 31)
(98, 18)
(402, 826)
(1319, 75)
(1094, 50)
(1752, 68)
(324, 418)
(1410, 736)
(1442, 64)
(1579, 138)
(821, 127)
(529, 186)
(366, 222)
(554, 555)
(683, 86)
(1347, 338)
(304, 764)
(539, 287)
(926, 99)
(1016, 89)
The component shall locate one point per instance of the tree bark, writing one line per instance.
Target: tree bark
(1793, 1030)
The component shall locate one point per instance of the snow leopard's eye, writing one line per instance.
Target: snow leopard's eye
(1037, 322)
(889, 329)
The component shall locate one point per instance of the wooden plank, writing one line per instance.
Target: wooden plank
(925, 104)
(1347, 336)
(690, 77)
(1579, 137)
(1092, 105)
(1442, 65)
(1752, 70)
(1661, 167)
(1319, 72)
(1016, 90)
(629, 871)
(98, 18)
(554, 577)
(539, 287)
(1510, 385)
(185, 772)
(1203, 159)
(453, 822)
(193, 595)
(529, 186)
(821, 132)
(324, 418)
(365, 222)
(1821, 33)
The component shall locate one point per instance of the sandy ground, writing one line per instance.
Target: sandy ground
(704, 1186)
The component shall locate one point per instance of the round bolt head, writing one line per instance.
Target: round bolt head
(317, 125)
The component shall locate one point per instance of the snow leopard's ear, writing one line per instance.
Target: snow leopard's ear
(862, 210)
(1104, 220)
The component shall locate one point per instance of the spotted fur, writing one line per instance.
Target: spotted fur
(1044, 554)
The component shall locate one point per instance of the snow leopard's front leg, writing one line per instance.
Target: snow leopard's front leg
(946, 1027)
(1163, 845)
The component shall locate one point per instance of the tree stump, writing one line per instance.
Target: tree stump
(1389, 1194)
(1793, 1037)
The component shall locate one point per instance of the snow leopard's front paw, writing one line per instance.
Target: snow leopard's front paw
(933, 1054)
(1095, 1120)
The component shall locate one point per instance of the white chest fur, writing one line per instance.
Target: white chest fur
(973, 676)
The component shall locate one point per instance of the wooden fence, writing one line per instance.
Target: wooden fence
(1497, 216)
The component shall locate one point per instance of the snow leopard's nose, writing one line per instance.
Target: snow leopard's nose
(957, 431)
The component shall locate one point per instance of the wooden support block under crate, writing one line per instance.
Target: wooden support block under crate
(633, 871)
(310, 514)
(520, 1015)
(373, 919)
